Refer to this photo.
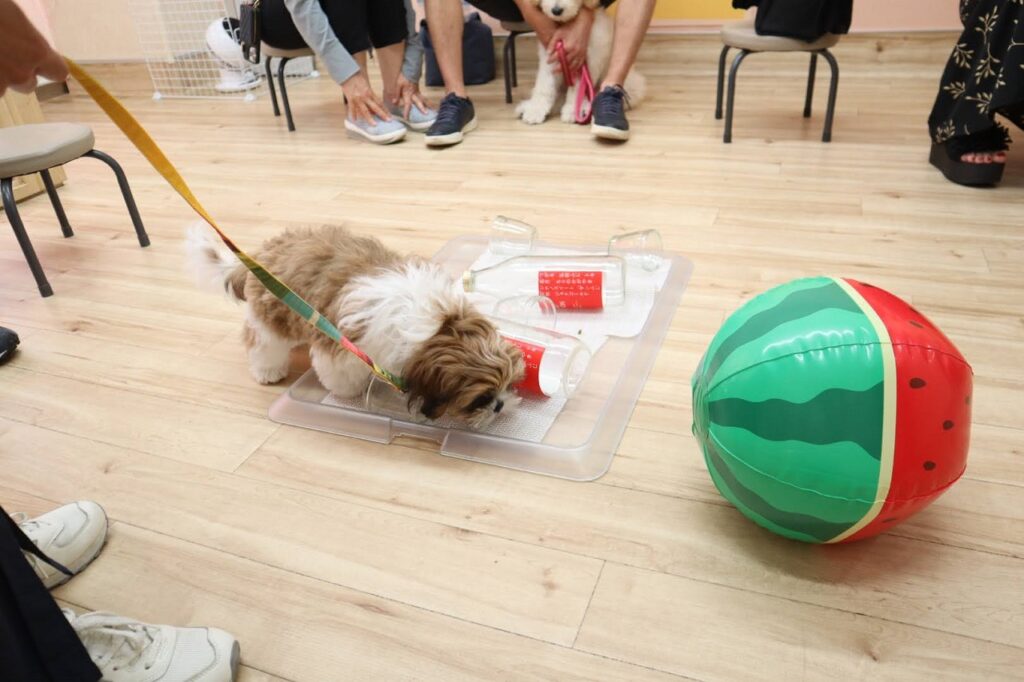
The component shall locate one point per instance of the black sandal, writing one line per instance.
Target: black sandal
(946, 157)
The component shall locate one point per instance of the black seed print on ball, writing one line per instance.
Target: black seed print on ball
(915, 323)
(947, 425)
(929, 465)
(890, 519)
(917, 382)
(967, 400)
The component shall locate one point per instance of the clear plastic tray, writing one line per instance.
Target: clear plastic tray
(581, 443)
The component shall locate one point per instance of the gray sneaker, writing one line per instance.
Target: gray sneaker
(381, 132)
(419, 120)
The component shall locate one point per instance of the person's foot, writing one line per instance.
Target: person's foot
(128, 651)
(8, 342)
(381, 132)
(71, 535)
(455, 118)
(609, 108)
(984, 157)
(418, 120)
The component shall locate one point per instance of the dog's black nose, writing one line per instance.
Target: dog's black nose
(498, 405)
(557, 10)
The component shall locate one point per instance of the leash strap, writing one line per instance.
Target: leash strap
(585, 91)
(138, 136)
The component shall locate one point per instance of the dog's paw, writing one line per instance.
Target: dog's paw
(268, 375)
(532, 112)
(568, 112)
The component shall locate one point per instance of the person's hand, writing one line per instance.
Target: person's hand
(407, 94)
(24, 53)
(575, 36)
(362, 103)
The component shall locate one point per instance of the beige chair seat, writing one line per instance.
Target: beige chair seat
(271, 51)
(40, 146)
(742, 34)
(517, 27)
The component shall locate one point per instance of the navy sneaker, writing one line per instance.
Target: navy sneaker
(609, 120)
(455, 117)
(8, 342)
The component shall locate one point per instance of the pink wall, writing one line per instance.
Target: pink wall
(906, 15)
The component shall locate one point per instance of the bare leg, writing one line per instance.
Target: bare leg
(445, 20)
(631, 23)
(390, 60)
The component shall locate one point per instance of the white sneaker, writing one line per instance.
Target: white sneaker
(128, 651)
(71, 535)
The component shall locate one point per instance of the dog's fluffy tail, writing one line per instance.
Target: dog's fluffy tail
(212, 265)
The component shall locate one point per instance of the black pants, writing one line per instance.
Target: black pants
(37, 644)
(506, 10)
(358, 24)
(984, 75)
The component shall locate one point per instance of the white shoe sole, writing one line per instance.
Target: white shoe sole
(452, 138)
(88, 556)
(608, 133)
(417, 127)
(385, 138)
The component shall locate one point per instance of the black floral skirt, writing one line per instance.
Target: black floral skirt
(984, 75)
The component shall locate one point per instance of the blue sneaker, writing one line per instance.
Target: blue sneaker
(455, 118)
(419, 120)
(609, 120)
(381, 132)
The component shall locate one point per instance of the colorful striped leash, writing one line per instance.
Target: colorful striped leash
(149, 149)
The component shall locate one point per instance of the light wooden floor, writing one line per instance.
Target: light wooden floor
(335, 559)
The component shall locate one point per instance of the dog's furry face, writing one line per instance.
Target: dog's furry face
(564, 10)
(465, 370)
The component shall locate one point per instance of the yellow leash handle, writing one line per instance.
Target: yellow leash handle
(138, 136)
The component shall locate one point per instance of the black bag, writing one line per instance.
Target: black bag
(477, 53)
(250, 29)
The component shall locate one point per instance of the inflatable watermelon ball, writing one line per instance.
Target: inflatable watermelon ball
(830, 410)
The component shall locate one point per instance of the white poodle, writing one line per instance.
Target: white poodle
(550, 82)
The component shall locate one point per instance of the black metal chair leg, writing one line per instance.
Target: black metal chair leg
(506, 58)
(727, 137)
(58, 208)
(515, 66)
(126, 192)
(721, 81)
(11, 209)
(832, 92)
(284, 94)
(811, 73)
(270, 86)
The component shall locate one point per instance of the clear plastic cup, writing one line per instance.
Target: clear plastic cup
(533, 311)
(642, 248)
(510, 237)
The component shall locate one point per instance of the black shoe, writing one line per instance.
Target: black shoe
(610, 114)
(455, 117)
(8, 342)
